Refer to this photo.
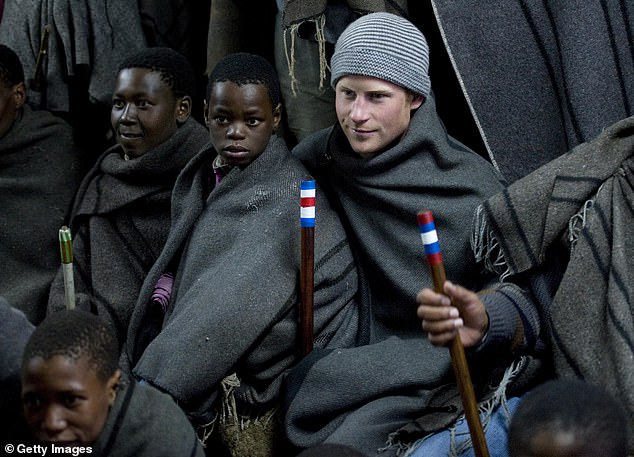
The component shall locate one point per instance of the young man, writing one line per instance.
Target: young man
(568, 418)
(121, 214)
(74, 395)
(388, 158)
(234, 249)
(40, 169)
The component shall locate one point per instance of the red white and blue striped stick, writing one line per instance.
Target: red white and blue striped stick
(307, 271)
(431, 246)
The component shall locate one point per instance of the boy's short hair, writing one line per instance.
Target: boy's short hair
(174, 68)
(570, 405)
(244, 68)
(75, 334)
(11, 71)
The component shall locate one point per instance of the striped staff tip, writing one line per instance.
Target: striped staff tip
(307, 203)
(429, 236)
(65, 245)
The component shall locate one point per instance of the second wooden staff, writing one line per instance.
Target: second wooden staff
(458, 359)
(307, 270)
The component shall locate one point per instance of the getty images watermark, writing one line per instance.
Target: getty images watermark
(46, 449)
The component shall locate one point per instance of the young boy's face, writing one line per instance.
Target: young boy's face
(64, 400)
(241, 120)
(145, 112)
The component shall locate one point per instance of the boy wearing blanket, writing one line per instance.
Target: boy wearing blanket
(234, 251)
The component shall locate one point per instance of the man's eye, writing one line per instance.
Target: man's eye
(118, 104)
(253, 122)
(31, 402)
(142, 104)
(71, 400)
(220, 120)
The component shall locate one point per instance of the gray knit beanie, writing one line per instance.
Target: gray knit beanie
(384, 46)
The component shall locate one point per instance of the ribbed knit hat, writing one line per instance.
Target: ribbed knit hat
(384, 46)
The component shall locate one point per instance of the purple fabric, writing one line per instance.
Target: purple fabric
(163, 290)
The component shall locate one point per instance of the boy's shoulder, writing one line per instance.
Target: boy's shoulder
(146, 422)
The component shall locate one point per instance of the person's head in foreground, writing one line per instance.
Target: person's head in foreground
(69, 378)
(568, 418)
(151, 99)
(12, 88)
(379, 71)
(242, 107)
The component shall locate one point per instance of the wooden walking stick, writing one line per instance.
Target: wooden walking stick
(66, 251)
(307, 269)
(458, 360)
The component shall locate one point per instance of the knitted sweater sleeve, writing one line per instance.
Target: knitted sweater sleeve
(517, 310)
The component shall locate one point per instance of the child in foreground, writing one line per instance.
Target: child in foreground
(75, 396)
(568, 418)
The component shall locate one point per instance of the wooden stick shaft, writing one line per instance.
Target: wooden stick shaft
(69, 285)
(307, 283)
(307, 268)
(463, 378)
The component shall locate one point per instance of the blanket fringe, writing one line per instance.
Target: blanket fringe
(320, 24)
(486, 247)
(460, 442)
(578, 221)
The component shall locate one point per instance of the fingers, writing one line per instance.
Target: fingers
(440, 319)
(457, 310)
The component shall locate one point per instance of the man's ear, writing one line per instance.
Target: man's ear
(277, 116)
(19, 95)
(111, 386)
(206, 113)
(183, 108)
(417, 101)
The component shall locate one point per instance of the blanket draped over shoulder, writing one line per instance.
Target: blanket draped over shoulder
(541, 77)
(144, 422)
(40, 170)
(583, 200)
(120, 222)
(234, 305)
(15, 331)
(375, 389)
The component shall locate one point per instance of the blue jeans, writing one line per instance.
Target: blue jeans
(457, 442)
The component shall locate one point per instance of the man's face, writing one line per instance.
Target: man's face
(373, 113)
(145, 112)
(241, 120)
(64, 401)
(11, 100)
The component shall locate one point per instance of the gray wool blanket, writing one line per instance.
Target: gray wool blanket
(399, 378)
(581, 203)
(144, 422)
(40, 170)
(296, 11)
(88, 37)
(15, 331)
(234, 305)
(120, 222)
(541, 77)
